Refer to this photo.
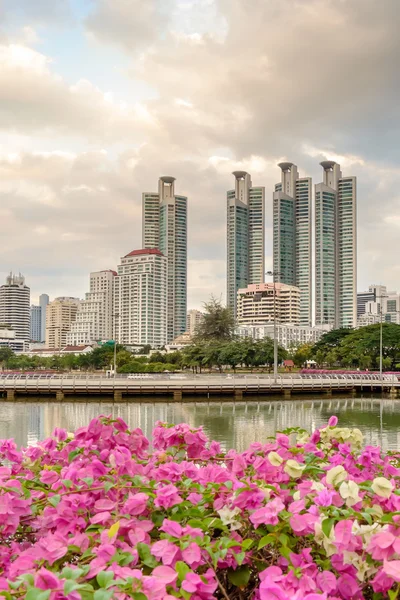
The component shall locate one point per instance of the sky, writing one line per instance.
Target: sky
(99, 98)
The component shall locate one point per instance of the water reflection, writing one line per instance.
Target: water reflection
(235, 425)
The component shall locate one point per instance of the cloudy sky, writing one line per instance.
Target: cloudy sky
(98, 98)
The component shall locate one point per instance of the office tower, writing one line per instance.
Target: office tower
(15, 306)
(194, 318)
(245, 236)
(94, 317)
(140, 299)
(258, 303)
(43, 302)
(165, 228)
(335, 248)
(60, 314)
(36, 322)
(292, 235)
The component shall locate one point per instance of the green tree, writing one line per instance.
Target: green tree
(300, 354)
(218, 323)
(5, 355)
(157, 357)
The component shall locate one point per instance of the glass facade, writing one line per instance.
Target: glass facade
(245, 236)
(165, 228)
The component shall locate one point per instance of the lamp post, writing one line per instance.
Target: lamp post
(274, 274)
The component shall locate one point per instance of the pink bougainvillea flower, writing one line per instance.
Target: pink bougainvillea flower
(268, 515)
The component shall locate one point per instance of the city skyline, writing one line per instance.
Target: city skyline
(89, 119)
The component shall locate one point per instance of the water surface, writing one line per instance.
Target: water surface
(234, 424)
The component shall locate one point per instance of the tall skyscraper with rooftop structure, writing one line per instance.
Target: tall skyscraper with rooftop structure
(292, 245)
(15, 306)
(165, 228)
(245, 236)
(336, 248)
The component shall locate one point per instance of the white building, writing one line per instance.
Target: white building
(194, 318)
(60, 314)
(245, 236)
(140, 299)
(335, 248)
(287, 335)
(292, 235)
(94, 319)
(8, 339)
(378, 303)
(259, 302)
(165, 228)
(15, 306)
(36, 323)
(43, 302)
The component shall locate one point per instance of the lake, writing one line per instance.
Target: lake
(234, 424)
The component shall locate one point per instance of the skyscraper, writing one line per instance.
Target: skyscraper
(292, 235)
(245, 236)
(140, 299)
(335, 248)
(59, 316)
(15, 305)
(36, 322)
(94, 317)
(43, 302)
(165, 228)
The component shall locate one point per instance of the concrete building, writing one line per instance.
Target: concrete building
(336, 248)
(36, 323)
(255, 304)
(140, 299)
(376, 302)
(287, 335)
(8, 339)
(194, 318)
(43, 302)
(292, 246)
(165, 228)
(60, 314)
(94, 319)
(15, 306)
(245, 236)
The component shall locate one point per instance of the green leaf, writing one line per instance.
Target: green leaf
(267, 539)
(104, 578)
(182, 569)
(55, 500)
(327, 525)
(37, 594)
(157, 517)
(285, 551)
(69, 586)
(102, 595)
(108, 486)
(139, 596)
(88, 480)
(246, 544)
(27, 578)
(240, 576)
(67, 482)
(145, 555)
(73, 454)
(283, 538)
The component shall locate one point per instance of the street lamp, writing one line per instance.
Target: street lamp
(274, 274)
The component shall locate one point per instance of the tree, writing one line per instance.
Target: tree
(218, 323)
(300, 354)
(5, 355)
(157, 357)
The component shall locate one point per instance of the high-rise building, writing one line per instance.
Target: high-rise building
(60, 314)
(335, 248)
(260, 303)
(194, 318)
(43, 302)
(15, 306)
(165, 228)
(36, 322)
(140, 299)
(292, 235)
(245, 236)
(95, 314)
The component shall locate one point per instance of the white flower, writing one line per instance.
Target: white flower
(317, 486)
(376, 511)
(349, 492)
(366, 531)
(297, 495)
(362, 566)
(336, 475)
(228, 517)
(325, 541)
(382, 487)
(275, 459)
(294, 469)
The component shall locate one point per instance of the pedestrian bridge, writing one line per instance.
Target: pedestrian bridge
(179, 385)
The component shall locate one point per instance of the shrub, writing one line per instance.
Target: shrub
(100, 515)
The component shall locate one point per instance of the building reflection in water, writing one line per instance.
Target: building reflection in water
(235, 425)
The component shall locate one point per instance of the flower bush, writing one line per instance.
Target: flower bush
(102, 514)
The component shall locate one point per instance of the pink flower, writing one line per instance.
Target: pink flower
(383, 545)
(167, 497)
(333, 421)
(326, 581)
(165, 551)
(45, 580)
(191, 554)
(136, 504)
(268, 515)
(392, 569)
(348, 587)
(194, 584)
(172, 528)
(303, 524)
